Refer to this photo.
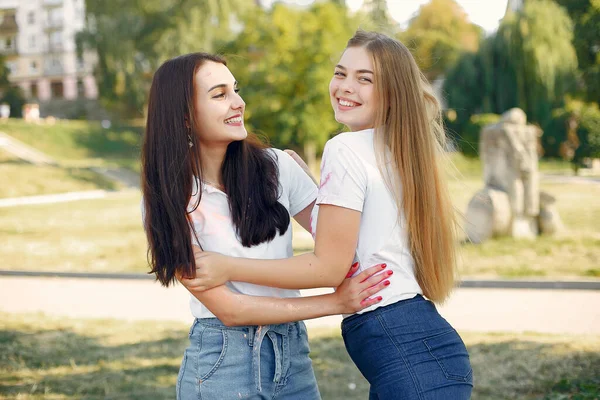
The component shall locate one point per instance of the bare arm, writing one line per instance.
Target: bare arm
(235, 309)
(336, 240)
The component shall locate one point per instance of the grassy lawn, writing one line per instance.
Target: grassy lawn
(30, 180)
(105, 235)
(49, 358)
(572, 254)
(81, 143)
(92, 235)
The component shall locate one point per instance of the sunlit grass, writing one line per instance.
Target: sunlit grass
(92, 235)
(22, 179)
(43, 357)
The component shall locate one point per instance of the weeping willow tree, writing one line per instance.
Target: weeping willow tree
(529, 63)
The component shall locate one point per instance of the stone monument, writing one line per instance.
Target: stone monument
(509, 203)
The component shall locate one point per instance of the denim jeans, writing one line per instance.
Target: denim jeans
(407, 351)
(246, 362)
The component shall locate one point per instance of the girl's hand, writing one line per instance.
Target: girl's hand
(211, 271)
(302, 164)
(354, 294)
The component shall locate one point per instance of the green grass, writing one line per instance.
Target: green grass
(81, 143)
(105, 235)
(43, 357)
(92, 235)
(29, 180)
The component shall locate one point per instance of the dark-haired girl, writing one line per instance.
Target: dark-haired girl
(208, 184)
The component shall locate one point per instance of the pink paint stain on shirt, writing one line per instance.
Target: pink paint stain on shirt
(325, 180)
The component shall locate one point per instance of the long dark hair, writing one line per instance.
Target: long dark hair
(169, 168)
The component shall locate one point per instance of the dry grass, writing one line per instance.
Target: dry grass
(43, 358)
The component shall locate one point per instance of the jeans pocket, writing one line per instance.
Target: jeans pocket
(451, 354)
(213, 347)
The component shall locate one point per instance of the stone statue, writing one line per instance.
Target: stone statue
(509, 204)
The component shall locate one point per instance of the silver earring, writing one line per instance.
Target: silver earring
(190, 143)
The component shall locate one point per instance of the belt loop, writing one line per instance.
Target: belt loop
(259, 335)
(251, 330)
(278, 365)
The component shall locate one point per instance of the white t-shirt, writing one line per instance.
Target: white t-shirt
(213, 225)
(351, 179)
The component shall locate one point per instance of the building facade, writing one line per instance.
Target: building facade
(37, 39)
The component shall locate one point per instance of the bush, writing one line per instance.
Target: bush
(588, 133)
(13, 96)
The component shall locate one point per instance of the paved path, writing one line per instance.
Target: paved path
(472, 309)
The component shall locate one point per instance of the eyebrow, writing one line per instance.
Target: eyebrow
(221, 85)
(360, 71)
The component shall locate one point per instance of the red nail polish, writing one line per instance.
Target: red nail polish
(379, 298)
(383, 266)
(389, 273)
(386, 283)
(354, 265)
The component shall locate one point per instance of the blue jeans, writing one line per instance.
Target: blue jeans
(407, 351)
(246, 362)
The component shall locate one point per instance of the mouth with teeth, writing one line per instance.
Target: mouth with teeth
(345, 104)
(236, 120)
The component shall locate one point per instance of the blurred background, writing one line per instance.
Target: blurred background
(80, 317)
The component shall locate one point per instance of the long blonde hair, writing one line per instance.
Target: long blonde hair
(410, 145)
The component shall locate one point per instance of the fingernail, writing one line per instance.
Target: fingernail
(379, 298)
(383, 266)
(389, 272)
(386, 283)
(354, 265)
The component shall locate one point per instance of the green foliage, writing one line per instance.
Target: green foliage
(588, 133)
(438, 34)
(586, 16)
(529, 63)
(132, 38)
(9, 94)
(284, 69)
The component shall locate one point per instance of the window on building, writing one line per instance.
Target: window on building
(80, 89)
(32, 42)
(56, 39)
(56, 89)
(33, 90)
(8, 43)
(31, 18)
(33, 67)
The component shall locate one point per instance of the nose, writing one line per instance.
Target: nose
(346, 87)
(238, 103)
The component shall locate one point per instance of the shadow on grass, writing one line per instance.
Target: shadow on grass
(62, 362)
(86, 175)
(119, 143)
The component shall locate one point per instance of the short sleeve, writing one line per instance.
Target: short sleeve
(343, 178)
(301, 189)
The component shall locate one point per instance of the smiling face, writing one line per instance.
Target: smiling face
(218, 107)
(352, 90)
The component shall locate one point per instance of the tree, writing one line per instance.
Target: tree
(132, 38)
(438, 34)
(529, 63)
(284, 70)
(586, 17)
(377, 11)
(10, 94)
